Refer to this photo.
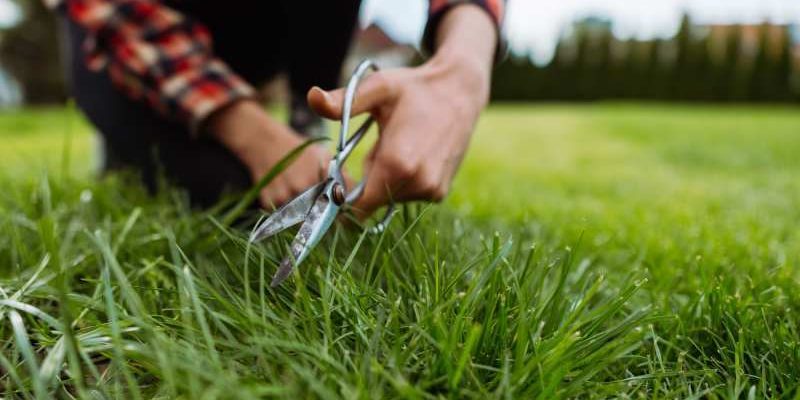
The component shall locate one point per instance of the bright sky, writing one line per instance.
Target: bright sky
(8, 13)
(535, 25)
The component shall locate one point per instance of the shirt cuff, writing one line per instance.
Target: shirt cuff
(199, 92)
(438, 9)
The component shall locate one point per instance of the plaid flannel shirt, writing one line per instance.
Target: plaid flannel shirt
(157, 55)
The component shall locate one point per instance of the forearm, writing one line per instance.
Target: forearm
(242, 124)
(466, 41)
(154, 54)
(467, 33)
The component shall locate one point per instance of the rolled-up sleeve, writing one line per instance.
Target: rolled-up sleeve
(438, 8)
(157, 55)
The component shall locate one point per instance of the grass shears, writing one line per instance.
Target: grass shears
(318, 206)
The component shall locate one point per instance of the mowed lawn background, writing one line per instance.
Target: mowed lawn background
(666, 266)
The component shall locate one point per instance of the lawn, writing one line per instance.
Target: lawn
(590, 251)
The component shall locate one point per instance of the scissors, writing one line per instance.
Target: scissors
(318, 206)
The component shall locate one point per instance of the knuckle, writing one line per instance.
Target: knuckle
(382, 80)
(431, 189)
(438, 194)
(399, 167)
(426, 179)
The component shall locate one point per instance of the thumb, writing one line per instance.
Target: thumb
(376, 90)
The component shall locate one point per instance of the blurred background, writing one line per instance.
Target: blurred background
(571, 50)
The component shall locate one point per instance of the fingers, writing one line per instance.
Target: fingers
(273, 198)
(374, 91)
(309, 169)
(392, 178)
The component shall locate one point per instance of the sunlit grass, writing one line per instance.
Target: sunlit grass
(586, 251)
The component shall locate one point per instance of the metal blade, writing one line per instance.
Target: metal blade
(289, 215)
(319, 220)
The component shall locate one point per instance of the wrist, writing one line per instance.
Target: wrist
(467, 79)
(467, 30)
(465, 47)
(225, 124)
(239, 126)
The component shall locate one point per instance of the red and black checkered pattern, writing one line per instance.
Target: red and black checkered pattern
(158, 55)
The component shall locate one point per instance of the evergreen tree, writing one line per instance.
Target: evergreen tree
(581, 70)
(715, 67)
(517, 79)
(616, 76)
(684, 68)
(561, 82)
(627, 83)
(786, 70)
(760, 87)
(727, 69)
(783, 68)
(657, 78)
(640, 84)
(602, 86)
(680, 80)
(739, 67)
(703, 70)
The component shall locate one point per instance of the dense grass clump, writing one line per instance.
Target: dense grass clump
(108, 292)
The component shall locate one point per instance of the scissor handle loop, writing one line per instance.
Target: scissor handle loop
(347, 107)
(346, 145)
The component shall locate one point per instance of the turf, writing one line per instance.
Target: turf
(594, 251)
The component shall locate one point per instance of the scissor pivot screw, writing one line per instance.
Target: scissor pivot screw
(337, 194)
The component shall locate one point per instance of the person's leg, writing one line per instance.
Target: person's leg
(319, 37)
(250, 36)
(137, 138)
(257, 39)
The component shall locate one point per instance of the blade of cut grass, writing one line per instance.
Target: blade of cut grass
(116, 337)
(10, 370)
(25, 349)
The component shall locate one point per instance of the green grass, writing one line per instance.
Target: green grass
(591, 251)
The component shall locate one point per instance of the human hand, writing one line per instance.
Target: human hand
(260, 142)
(426, 115)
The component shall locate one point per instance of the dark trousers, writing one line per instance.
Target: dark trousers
(307, 40)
